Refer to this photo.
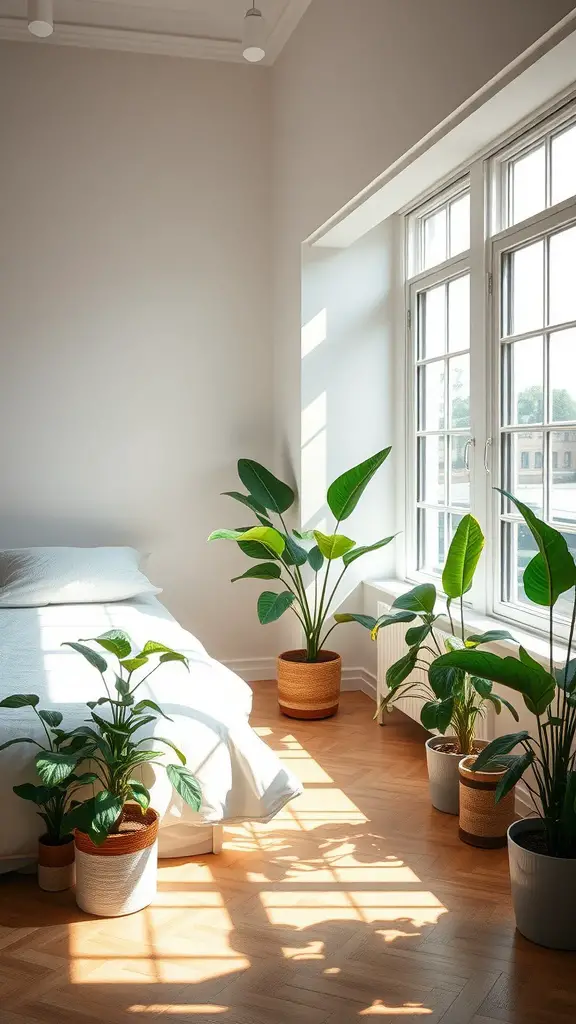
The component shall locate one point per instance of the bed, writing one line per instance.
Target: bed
(242, 779)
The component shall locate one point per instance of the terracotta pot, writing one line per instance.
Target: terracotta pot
(56, 865)
(119, 877)
(543, 891)
(443, 775)
(483, 822)
(309, 689)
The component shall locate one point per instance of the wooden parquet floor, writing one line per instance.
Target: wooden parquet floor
(358, 901)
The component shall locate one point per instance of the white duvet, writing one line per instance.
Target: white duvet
(241, 778)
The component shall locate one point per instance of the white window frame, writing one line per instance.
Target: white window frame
(489, 236)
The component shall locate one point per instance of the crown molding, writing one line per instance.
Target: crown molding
(129, 40)
(167, 44)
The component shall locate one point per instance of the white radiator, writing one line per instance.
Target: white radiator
(391, 647)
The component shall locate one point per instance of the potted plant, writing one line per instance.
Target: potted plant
(542, 849)
(116, 829)
(55, 763)
(308, 679)
(452, 700)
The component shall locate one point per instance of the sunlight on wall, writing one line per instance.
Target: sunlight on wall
(314, 333)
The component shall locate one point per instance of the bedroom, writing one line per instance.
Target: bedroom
(165, 312)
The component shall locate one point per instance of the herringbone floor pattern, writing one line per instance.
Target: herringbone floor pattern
(358, 901)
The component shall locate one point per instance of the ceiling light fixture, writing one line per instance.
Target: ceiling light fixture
(40, 18)
(253, 36)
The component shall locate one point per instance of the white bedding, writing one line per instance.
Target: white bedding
(241, 778)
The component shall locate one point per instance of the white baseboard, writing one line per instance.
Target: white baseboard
(255, 670)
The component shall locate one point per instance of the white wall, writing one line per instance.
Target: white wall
(356, 86)
(135, 354)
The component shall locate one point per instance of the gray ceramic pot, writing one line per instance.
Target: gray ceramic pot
(543, 891)
(443, 774)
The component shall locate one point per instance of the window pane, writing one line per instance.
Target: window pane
(432, 455)
(528, 185)
(455, 521)
(525, 371)
(523, 550)
(564, 165)
(563, 489)
(432, 396)
(459, 475)
(563, 276)
(459, 313)
(433, 535)
(563, 375)
(459, 378)
(525, 472)
(433, 322)
(435, 238)
(459, 214)
(526, 288)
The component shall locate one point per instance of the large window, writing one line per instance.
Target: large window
(521, 402)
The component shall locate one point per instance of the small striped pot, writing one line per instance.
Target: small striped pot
(309, 689)
(119, 877)
(483, 822)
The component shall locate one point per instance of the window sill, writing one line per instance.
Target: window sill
(536, 645)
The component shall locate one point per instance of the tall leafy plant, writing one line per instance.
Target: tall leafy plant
(451, 700)
(112, 741)
(549, 693)
(289, 557)
(56, 765)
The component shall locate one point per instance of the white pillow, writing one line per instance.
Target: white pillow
(31, 577)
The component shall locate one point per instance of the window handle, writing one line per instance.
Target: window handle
(469, 444)
(487, 446)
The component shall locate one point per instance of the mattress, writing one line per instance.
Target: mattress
(242, 779)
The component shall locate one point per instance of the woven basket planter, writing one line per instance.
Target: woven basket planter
(56, 866)
(309, 689)
(483, 822)
(119, 877)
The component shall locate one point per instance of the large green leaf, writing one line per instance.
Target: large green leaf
(345, 493)
(552, 572)
(437, 714)
(368, 621)
(513, 774)
(53, 768)
(268, 490)
(401, 669)
(94, 659)
(107, 808)
(462, 557)
(263, 535)
(248, 500)
(142, 705)
(155, 647)
(140, 793)
(271, 606)
(355, 553)
(162, 739)
(264, 571)
(501, 745)
(294, 554)
(416, 635)
(23, 739)
(133, 664)
(36, 794)
(536, 685)
(20, 700)
(333, 546)
(115, 640)
(391, 619)
(490, 637)
(420, 599)
(186, 785)
(315, 558)
(52, 718)
(174, 656)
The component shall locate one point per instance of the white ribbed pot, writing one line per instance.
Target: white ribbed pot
(119, 877)
(443, 774)
(56, 865)
(543, 891)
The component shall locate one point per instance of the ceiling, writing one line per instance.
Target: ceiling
(208, 29)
